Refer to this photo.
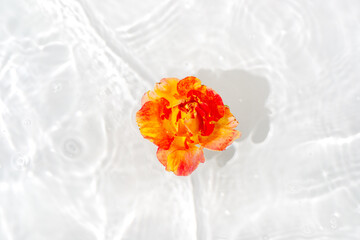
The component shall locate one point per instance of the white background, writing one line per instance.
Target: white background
(73, 164)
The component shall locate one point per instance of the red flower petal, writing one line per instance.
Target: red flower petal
(214, 104)
(181, 161)
(153, 122)
(224, 133)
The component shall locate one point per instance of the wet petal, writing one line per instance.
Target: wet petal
(224, 133)
(153, 122)
(181, 161)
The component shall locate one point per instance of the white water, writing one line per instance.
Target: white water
(73, 164)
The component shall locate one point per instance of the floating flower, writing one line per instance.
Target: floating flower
(182, 117)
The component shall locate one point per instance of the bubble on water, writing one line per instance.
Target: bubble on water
(265, 237)
(72, 148)
(283, 32)
(20, 162)
(252, 36)
(27, 122)
(4, 186)
(188, 65)
(357, 209)
(307, 229)
(334, 223)
(56, 87)
(293, 188)
(79, 113)
(188, 3)
(108, 91)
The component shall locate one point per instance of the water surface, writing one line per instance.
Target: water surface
(73, 164)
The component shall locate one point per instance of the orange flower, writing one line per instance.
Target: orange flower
(182, 117)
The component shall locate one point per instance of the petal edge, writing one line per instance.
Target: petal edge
(224, 133)
(152, 122)
(181, 161)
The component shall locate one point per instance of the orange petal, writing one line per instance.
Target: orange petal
(166, 88)
(187, 84)
(149, 96)
(162, 154)
(153, 122)
(224, 133)
(181, 161)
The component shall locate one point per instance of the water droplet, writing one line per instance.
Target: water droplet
(20, 162)
(72, 148)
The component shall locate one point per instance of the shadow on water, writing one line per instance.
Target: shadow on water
(246, 95)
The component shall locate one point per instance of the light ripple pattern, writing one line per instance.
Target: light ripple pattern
(73, 164)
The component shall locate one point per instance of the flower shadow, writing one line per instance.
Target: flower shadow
(246, 95)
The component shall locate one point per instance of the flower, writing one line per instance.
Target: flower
(182, 117)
